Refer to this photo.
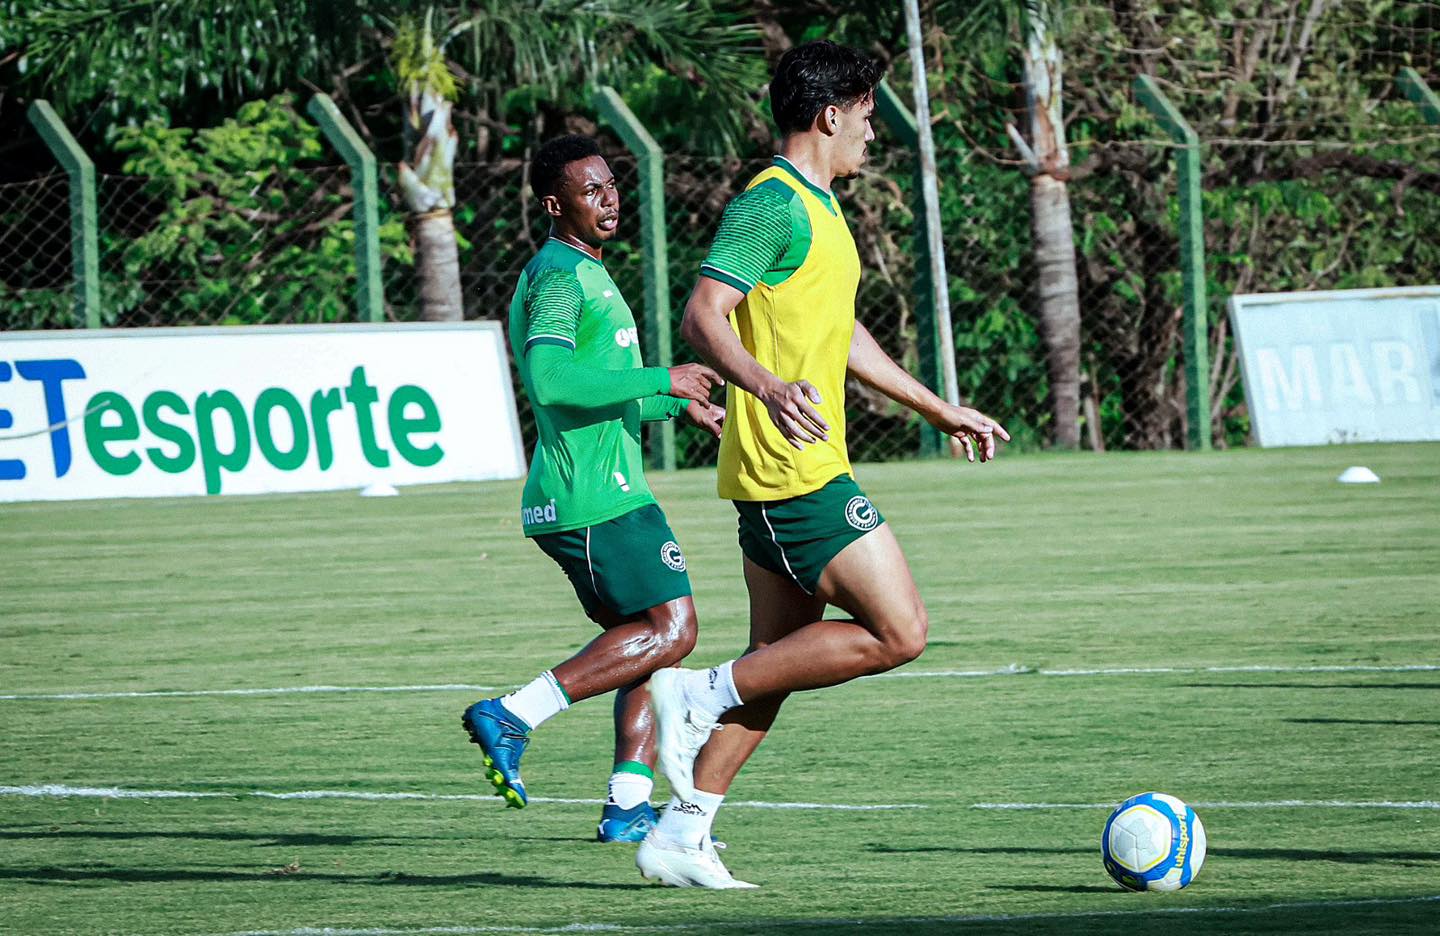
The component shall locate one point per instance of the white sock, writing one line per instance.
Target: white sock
(689, 824)
(712, 691)
(537, 700)
(628, 790)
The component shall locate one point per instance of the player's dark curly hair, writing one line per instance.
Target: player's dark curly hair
(553, 156)
(813, 76)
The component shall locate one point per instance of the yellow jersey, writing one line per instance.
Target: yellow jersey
(785, 244)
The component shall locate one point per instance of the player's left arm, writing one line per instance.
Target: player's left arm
(660, 408)
(870, 365)
(707, 416)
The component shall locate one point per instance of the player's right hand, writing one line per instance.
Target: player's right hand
(792, 410)
(693, 382)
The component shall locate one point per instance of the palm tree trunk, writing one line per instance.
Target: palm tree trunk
(429, 192)
(437, 264)
(1054, 236)
(1059, 303)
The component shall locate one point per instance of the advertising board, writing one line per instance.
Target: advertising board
(159, 412)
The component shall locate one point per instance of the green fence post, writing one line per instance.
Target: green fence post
(895, 115)
(1416, 90)
(369, 294)
(84, 223)
(1195, 327)
(651, 161)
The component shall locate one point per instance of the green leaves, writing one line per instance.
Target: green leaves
(127, 61)
(228, 224)
(112, 63)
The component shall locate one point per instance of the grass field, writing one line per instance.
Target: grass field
(1287, 629)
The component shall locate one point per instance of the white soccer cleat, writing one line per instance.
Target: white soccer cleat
(681, 730)
(673, 864)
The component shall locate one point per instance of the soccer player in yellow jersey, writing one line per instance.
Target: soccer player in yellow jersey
(774, 313)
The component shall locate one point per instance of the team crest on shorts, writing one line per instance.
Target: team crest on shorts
(861, 514)
(671, 555)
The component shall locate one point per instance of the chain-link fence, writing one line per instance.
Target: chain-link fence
(267, 246)
(1309, 184)
(36, 282)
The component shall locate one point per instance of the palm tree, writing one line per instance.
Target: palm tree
(1048, 163)
(428, 187)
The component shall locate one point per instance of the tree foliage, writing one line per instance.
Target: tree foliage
(235, 217)
(111, 63)
(1318, 175)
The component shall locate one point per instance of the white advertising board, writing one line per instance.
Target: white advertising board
(160, 412)
(1358, 365)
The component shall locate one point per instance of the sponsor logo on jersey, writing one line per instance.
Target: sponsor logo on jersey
(861, 514)
(625, 337)
(671, 555)
(545, 513)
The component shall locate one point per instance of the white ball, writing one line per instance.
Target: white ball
(1153, 841)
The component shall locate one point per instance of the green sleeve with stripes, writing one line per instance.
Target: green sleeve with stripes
(656, 408)
(552, 309)
(755, 234)
(559, 380)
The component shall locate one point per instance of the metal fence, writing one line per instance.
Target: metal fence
(271, 246)
(36, 286)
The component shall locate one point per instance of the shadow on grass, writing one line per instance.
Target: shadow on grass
(1057, 888)
(1139, 914)
(259, 839)
(1433, 687)
(53, 875)
(1358, 721)
(1253, 854)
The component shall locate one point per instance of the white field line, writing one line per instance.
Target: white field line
(1224, 804)
(287, 690)
(1014, 669)
(769, 924)
(62, 791)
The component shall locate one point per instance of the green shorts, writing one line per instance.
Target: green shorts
(799, 536)
(624, 565)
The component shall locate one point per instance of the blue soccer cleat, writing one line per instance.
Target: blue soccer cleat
(625, 825)
(502, 737)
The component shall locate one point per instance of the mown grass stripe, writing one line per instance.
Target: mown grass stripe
(1014, 669)
(771, 924)
(63, 791)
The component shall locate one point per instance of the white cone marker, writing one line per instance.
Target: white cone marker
(1358, 474)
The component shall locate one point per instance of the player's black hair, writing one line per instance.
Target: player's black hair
(813, 76)
(553, 156)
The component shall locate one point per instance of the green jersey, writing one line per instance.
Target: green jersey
(578, 352)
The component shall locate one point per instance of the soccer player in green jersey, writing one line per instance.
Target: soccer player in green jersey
(586, 503)
(774, 312)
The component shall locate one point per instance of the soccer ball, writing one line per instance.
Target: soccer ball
(1153, 842)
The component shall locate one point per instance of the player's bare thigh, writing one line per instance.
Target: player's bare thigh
(777, 605)
(871, 580)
